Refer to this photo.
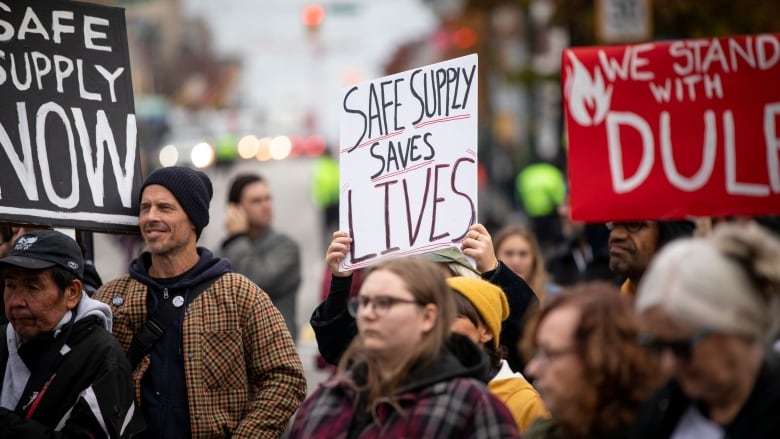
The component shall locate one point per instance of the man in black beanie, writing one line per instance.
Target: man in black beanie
(632, 244)
(212, 355)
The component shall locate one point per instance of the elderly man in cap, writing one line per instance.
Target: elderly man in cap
(212, 356)
(62, 370)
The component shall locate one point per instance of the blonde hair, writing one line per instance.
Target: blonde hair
(538, 278)
(727, 282)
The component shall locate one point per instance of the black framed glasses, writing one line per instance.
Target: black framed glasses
(630, 226)
(545, 356)
(681, 348)
(380, 304)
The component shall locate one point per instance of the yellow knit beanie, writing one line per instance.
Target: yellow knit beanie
(488, 299)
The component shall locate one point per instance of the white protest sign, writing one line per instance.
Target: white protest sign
(408, 161)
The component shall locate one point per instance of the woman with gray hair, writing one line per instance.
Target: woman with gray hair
(711, 308)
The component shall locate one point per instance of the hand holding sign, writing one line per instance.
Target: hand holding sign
(478, 245)
(337, 251)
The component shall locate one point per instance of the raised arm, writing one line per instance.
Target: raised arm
(333, 327)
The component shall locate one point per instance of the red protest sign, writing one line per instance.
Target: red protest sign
(674, 129)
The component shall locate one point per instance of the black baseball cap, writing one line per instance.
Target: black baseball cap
(39, 249)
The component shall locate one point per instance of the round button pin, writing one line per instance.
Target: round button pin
(118, 301)
(178, 301)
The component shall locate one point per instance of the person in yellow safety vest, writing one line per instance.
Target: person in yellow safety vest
(541, 187)
(325, 192)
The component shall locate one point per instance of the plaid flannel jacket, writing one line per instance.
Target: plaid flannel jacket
(243, 374)
(455, 408)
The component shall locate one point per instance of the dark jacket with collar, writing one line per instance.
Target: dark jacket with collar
(758, 418)
(334, 328)
(80, 384)
(446, 398)
(164, 389)
(243, 376)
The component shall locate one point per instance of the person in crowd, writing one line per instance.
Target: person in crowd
(518, 248)
(405, 374)
(632, 244)
(334, 328)
(8, 235)
(267, 257)
(711, 308)
(583, 253)
(63, 373)
(212, 356)
(587, 365)
(541, 187)
(480, 308)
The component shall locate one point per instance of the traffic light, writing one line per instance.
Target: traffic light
(312, 16)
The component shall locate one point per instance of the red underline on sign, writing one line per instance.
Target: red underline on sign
(401, 171)
(372, 141)
(443, 119)
(429, 247)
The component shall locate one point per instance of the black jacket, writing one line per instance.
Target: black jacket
(758, 418)
(73, 373)
(334, 328)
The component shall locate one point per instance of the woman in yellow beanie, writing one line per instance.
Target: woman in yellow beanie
(481, 307)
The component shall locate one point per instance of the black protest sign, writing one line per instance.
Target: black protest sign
(68, 148)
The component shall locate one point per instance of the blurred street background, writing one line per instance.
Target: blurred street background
(234, 85)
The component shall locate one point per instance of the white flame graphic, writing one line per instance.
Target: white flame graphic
(586, 95)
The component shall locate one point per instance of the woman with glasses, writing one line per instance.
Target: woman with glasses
(405, 374)
(334, 327)
(587, 365)
(711, 307)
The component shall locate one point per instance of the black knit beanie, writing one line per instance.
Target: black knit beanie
(191, 188)
(671, 230)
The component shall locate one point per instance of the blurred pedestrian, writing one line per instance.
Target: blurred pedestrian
(325, 191)
(8, 235)
(63, 374)
(270, 259)
(711, 307)
(541, 187)
(583, 254)
(212, 356)
(632, 244)
(405, 374)
(334, 328)
(587, 365)
(480, 307)
(517, 247)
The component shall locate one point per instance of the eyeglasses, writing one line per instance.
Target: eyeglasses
(630, 226)
(380, 304)
(682, 349)
(546, 356)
